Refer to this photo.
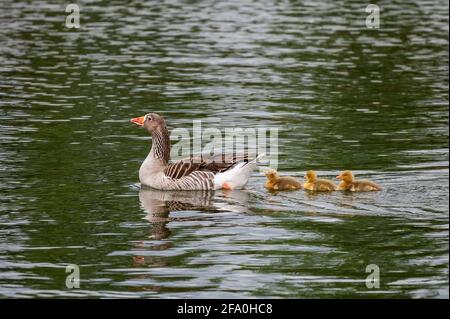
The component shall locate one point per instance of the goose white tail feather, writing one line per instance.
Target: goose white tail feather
(236, 177)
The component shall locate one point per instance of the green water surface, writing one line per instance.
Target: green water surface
(342, 96)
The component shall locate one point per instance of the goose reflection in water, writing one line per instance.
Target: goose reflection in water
(158, 205)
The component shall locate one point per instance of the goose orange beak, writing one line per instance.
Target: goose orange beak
(138, 120)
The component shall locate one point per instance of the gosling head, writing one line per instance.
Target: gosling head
(346, 176)
(150, 121)
(271, 174)
(311, 176)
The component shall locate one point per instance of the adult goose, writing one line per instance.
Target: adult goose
(197, 173)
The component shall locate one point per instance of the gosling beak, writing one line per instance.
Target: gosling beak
(339, 177)
(138, 120)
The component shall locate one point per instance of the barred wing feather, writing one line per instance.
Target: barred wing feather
(215, 164)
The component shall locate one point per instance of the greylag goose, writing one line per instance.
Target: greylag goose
(348, 183)
(197, 173)
(318, 185)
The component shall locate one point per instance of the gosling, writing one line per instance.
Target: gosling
(348, 183)
(317, 185)
(283, 183)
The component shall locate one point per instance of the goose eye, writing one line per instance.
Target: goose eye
(149, 118)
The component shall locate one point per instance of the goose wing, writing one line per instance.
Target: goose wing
(215, 164)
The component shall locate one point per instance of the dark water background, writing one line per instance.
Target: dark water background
(343, 97)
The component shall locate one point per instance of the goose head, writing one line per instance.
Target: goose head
(151, 122)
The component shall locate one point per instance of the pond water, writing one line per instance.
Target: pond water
(343, 97)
